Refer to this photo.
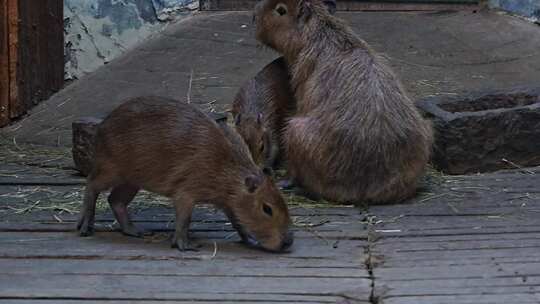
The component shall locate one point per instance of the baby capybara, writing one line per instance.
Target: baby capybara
(260, 108)
(173, 149)
(356, 136)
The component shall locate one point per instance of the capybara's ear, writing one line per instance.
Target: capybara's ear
(305, 9)
(252, 183)
(237, 119)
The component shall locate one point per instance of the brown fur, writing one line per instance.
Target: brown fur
(173, 149)
(260, 109)
(356, 135)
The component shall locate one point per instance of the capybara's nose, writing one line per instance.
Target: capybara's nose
(288, 240)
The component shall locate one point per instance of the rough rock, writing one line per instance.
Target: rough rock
(485, 132)
(84, 131)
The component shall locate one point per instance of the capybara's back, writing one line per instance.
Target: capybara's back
(154, 141)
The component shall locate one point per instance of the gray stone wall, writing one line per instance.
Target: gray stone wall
(97, 31)
(527, 8)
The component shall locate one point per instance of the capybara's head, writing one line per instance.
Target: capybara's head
(280, 23)
(256, 135)
(260, 214)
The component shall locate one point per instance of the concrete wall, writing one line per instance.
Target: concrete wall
(526, 8)
(96, 31)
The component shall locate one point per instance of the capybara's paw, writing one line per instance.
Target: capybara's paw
(185, 245)
(85, 225)
(85, 228)
(133, 231)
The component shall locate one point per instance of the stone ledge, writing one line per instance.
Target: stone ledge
(486, 131)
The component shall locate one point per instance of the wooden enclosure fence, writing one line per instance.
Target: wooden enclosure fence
(31, 54)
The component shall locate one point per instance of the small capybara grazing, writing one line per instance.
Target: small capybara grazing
(173, 149)
(259, 111)
(356, 136)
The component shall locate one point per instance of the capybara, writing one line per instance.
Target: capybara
(261, 107)
(356, 136)
(173, 149)
(259, 111)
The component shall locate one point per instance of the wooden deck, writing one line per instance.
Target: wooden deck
(464, 239)
(475, 239)
(43, 260)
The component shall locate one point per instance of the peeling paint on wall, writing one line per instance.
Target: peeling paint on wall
(527, 8)
(97, 31)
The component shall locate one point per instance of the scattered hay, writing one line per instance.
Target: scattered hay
(27, 160)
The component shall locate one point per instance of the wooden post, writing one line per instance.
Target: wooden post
(13, 45)
(4, 64)
(31, 54)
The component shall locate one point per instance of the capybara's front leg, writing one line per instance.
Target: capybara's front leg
(85, 225)
(181, 240)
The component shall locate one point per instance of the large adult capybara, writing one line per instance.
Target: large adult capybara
(356, 136)
(260, 109)
(173, 149)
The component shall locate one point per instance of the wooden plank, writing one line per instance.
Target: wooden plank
(474, 239)
(355, 5)
(217, 268)
(466, 269)
(4, 65)
(318, 300)
(25, 245)
(286, 299)
(13, 38)
(457, 271)
(464, 286)
(522, 298)
(111, 267)
(217, 230)
(318, 217)
(177, 288)
(334, 231)
(49, 181)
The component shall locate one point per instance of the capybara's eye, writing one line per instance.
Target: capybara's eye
(267, 209)
(281, 9)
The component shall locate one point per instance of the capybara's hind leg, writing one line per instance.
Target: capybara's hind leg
(119, 199)
(85, 224)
